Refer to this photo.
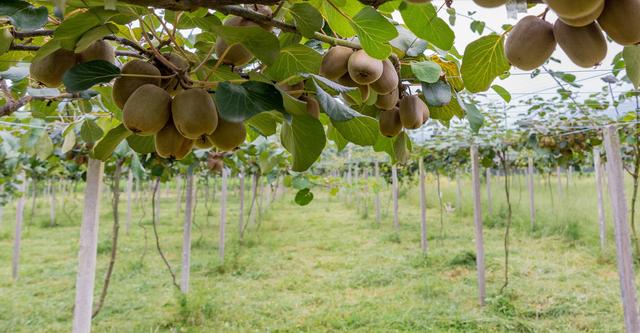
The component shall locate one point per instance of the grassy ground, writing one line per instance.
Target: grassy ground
(328, 267)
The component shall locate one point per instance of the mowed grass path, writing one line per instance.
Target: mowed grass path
(326, 267)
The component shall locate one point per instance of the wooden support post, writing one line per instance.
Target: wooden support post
(377, 200)
(597, 168)
(129, 200)
(532, 206)
(621, 224)
(489, 196)
(85, 280)
(223, 214)
(241, 209)
(477, 218)
(186, 236)
(423, 208)
(15, 260)
(394, 184)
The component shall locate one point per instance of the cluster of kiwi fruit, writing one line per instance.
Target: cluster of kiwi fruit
(50, 69)
(578, 30)
(358, 70)
(179, 118)
(238, 55)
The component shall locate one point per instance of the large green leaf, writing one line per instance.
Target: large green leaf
(44, 146)
(423, 20)
(426, 71)
(475, 117)
(361, 130)
(239, 102)
(94, 35)
(90, 131)
(374, 32)
(332, 107)
(338, 23)
(23, 15)
(105, 147)
(86, 75)
(142, 144)
(307, 18)
(304, 139)
(71, 29)
(483, 61)
(631, 55)
(261, 43)
(265, 123)
(295, 59)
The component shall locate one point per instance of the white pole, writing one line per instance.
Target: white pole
(597, 168)
(178, 195)
(559, 180)
(378, 214)
(477, 218)
(394, 184)
(186, 236)
(52, 203)
(489, 197)
(621, 223)
(82, 310)
(223, 213)
(423, 208)
(458, 192)
(241, 208)
(129, 199)
(532, 206)
(15, 263)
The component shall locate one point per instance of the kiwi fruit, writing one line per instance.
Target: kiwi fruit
(388, 81)
(266, 11)
(236, 55)
(6, 38)
(530, 43)
(194, 113)
(51, 68)
(425, 115)
(364, 69)
(389, 122)
(585, 46)
(619, 20)
(490, 3)
(313, 108)
(170, 144)
(335, 62)
(388, 101)
(296, 88)
(147, 110)
(124, 86)
(171, 85)
(100, 50)
(585, 19)
(203, 142)
(228, 135)
(411, 112)
(418, 1)
(573, 9)
(365, 92)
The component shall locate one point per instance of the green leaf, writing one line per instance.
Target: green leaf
(423, 20)
(261, 43)
(338, 23)
(94, 35)
(332, 107)
(330, 86)
(506, 96)
(294, 59)
(361, 130)
(304, 139)
(475, 117)
(631, 55)
(437, 94)
(69, 141)
(71, 29)
(408, 43)
(44, 146)
(426, 71)
(23, 15)
(105, 147)
(86, 75)
(142, 144)
(374, 32)
(265, 123)
(90, 132)
(448, 111)
(483, 61)
(304, 197)
(336, 137)
(307, 18)
(239, 102)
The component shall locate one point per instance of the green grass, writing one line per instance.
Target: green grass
(327, 267)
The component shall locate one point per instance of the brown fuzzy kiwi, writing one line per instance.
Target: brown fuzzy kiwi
(573, 9)
(228, 135)
(364, 69)
(530, 43)
(388, 81)
(170, 144)
(313, 108)
(147, 110)
(412, 111)
(203, 142)
(585, 19)
(296, 88)
(364, 91)
(335, 62)
(124, 86)
(100, 50)
(490, 3)
(172, 85)
(585, 46)
(389, 122)
(425, 115)
(619, 20)
(388, 101)
(51, 68)
(194, 113)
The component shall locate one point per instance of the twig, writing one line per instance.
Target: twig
(155, 232)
